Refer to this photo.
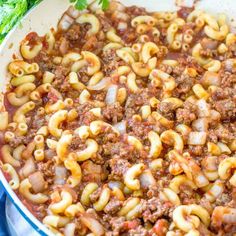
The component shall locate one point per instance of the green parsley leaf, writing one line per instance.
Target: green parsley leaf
(104, 3)
(82, 4)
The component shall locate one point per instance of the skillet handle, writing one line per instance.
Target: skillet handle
(3, 224)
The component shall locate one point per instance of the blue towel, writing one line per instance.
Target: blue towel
(3, 224)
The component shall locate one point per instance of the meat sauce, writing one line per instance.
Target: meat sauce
(115, 155)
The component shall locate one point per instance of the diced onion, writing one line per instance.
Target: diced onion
(116, 6)
(230, 65)
(120, 16)
(65, 22)
(224, 148)
(230, 218)
(60, 175)
(73, 12)
(122, 26)
(102, 84)
(121, 127)
(203, 108)
(28, 168)
(115, 184)
(200, 124)
(111, 94)
(197, 138)
(209, 43)
(214, 115)
(210, 78)
(147, 179)
(37, 182)
(201, 180)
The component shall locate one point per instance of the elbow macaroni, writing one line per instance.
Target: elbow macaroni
(119, 112)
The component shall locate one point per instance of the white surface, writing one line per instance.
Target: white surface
(46, 15)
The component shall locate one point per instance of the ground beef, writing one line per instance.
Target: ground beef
(99, 96)
(187, 114)
(186, 195)
(123, 150)
(117, 224)
(206, 204)
(107, 136)
(18, 140)
(72, 125)
(136, 11)
(196, 150)
(184, 83)
(167, 109)
(85, 117)
(92, 44)
(38, 121)
(113, 112)
(140, 231)
(45, 63)
(128, 35)
(135, 101)
(154, 208)
(73, 33)
(227, 109)
(77, 143)
(228, 80)
(60, 74)
(132, 105)
(212, 137)
(110, 61)
(190, 62)
(92, 172)
(105, 22)
(183, 12)
(84, 108)
(119, 149)
(62, 45)
(225, 133)
(82, 75)
(60, 81)
(47, 168)
(220, 94)
(95, 195)
(118, 168)
(113, 206)
(139, 129)
(177, 71)
(223, 199)
(154, 191)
